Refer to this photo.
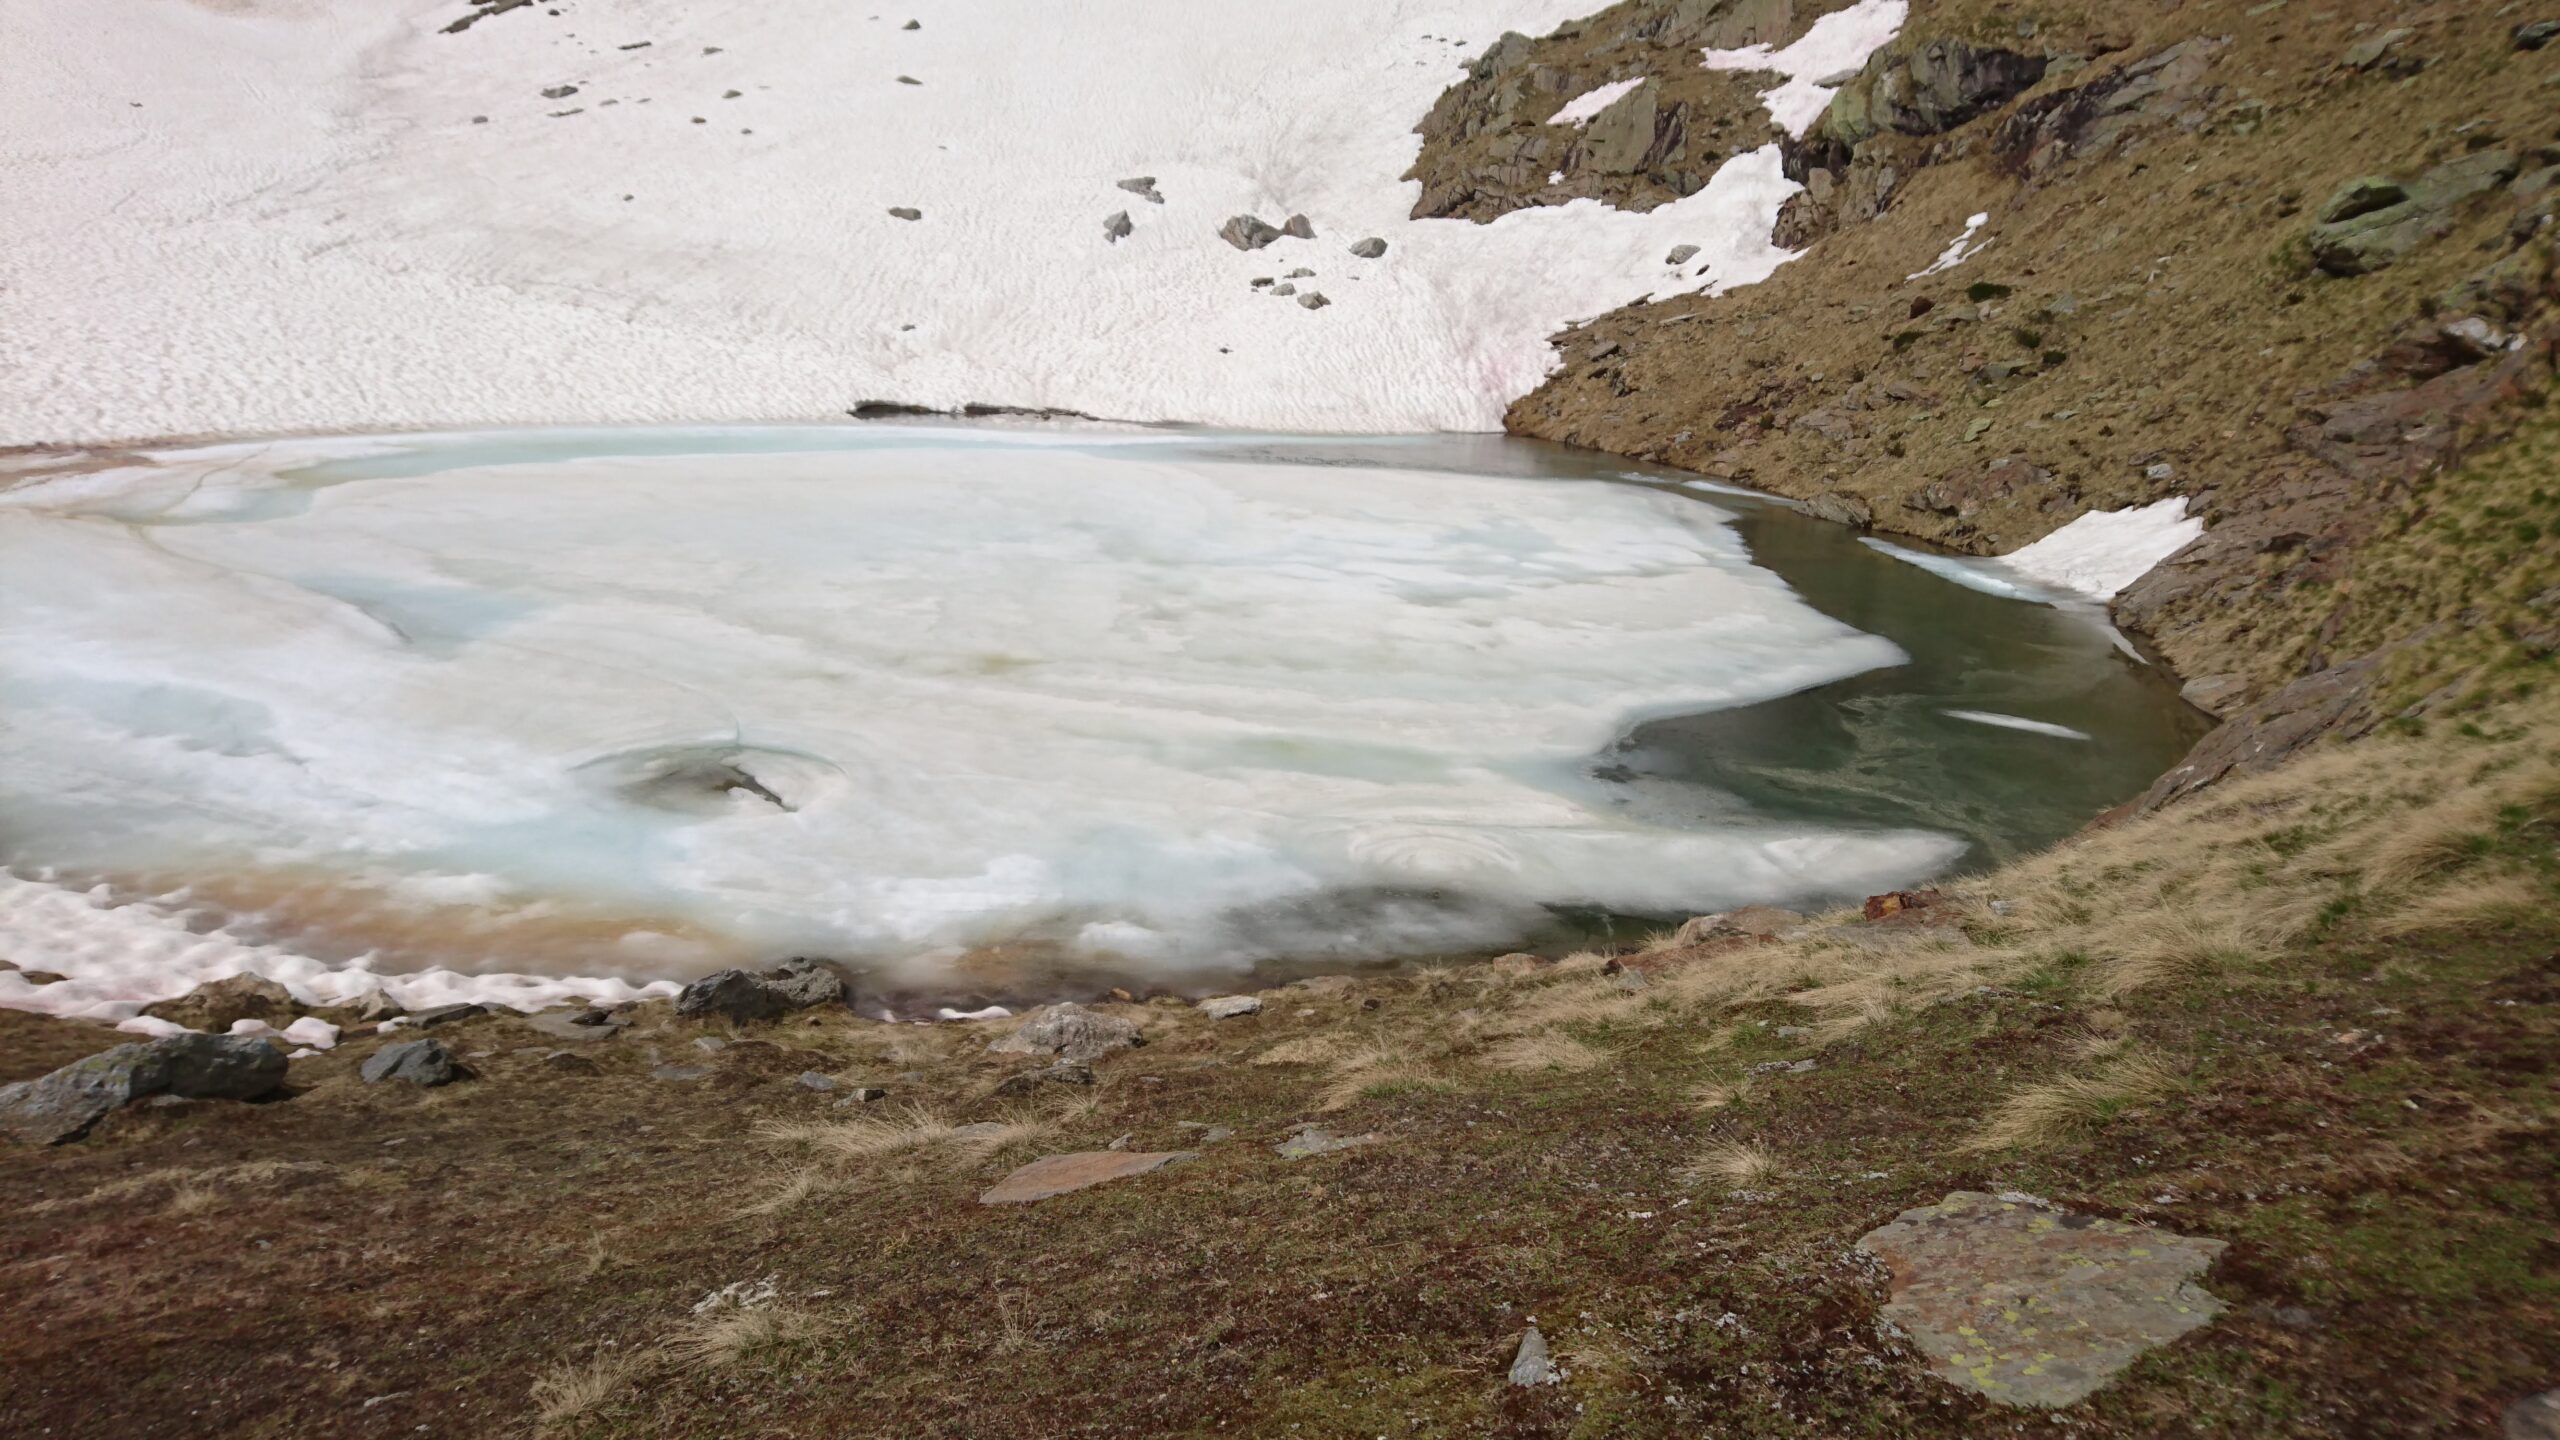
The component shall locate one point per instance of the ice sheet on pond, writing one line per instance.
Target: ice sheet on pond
(901, 694)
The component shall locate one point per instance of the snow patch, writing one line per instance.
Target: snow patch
(2104, 551)
(1958, 250)
(1580, 109)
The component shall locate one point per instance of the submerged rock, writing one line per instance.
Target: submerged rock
(2030, 1304)
(63, 1105)
(1070, 1032)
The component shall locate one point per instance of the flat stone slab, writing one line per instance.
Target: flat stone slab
(1311, 1141)
(1058, 1174)
(2030, 1304)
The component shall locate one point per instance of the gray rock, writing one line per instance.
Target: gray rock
(906, 212)
(217, 1005)
(1229, 1007)
(1063, 1072)
(574, 1027)
(710, 1044)
(2535, 1417)
(1284, 288)
(2215, 693)
(2534, 34)
(1751, 921)
(570, 1062)
(423, 1063)
(559, 92)
(1301, 273)
(909, 80)
(2366, 53)
(678, 1074)
(1841, 508)
(746, 996)
(1313, 1140)
(1369, 249)
(1070, 1032)
(1116, 226)
(812, 1080)
(446, 1015)
(1531, 1366)
(862, 1095)
(2029, 1304)
(63, 1104)
(1247, 232)
(1681, 255)
(1298, 226)
(1144, 187)
(1313, 300)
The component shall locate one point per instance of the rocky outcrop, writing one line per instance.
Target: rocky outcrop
(2372, 221)
(1490, 145)
(63, 1105)
(217, 1005)
(744, 997)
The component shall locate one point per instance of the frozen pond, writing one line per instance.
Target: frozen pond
(995, 711)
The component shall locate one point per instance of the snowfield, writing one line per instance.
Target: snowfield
(259, 216)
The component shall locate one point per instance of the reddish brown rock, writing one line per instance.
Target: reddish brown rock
(1058, 1174)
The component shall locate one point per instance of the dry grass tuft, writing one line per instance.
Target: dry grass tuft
(728, 1337)
(573, 1392)
(2473, 900)
(2076, 1105)
(1738, 1164)
(1305, 1050)
(1381, 1067)
(1547, 1050)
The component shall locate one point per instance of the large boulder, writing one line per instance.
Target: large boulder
(217, 1005)
(51, 1109)
(747, 996)
(2029, 1304)
(1070, 1032)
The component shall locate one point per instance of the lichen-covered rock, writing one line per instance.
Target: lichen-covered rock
(2029, 1304)
(746, 996)
(63, 1105)
(2372, 222)
(1070, 1032)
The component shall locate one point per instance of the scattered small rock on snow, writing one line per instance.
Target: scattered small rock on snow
(1313, 300)
(1369, 249)
(1116, 226)
(1299, 226)
(1680, 255)
(1144, 187)
(1247, 232)
(906, 212)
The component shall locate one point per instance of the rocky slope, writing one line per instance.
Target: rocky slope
(2293, 266)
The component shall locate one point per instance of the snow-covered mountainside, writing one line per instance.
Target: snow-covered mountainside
(258, 215)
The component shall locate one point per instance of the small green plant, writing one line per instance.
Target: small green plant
(1982, 290)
